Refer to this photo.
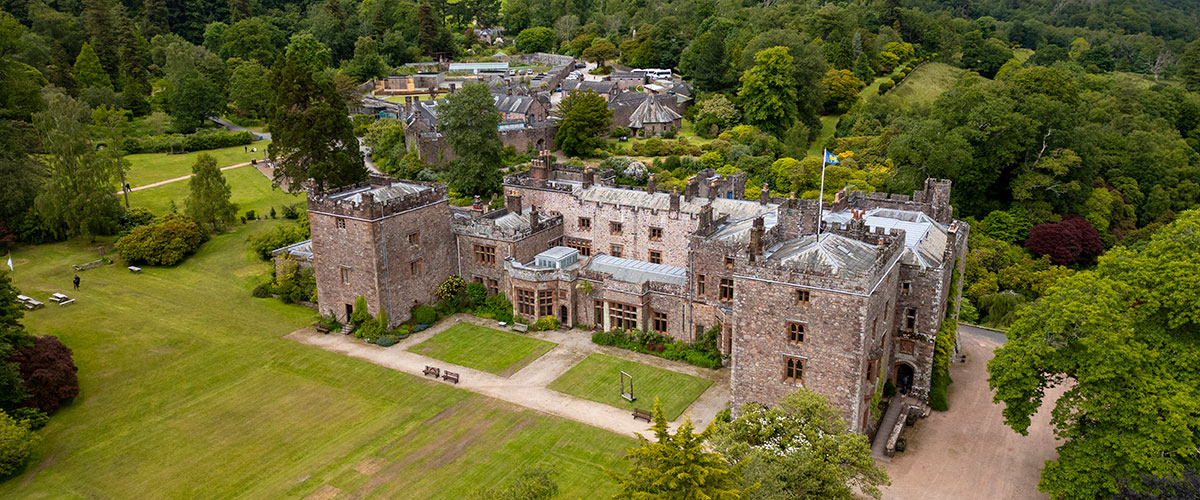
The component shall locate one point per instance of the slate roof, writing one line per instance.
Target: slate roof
(395, 190)
(834, 253)
(652, 111)
(300, 251)
(514, 103)
(601, 87)
(636, 271)
(925, 239)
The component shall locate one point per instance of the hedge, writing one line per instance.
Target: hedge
(175, 143)
(703, 353)
(943, 349)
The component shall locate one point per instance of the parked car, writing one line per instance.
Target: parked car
(580, 65)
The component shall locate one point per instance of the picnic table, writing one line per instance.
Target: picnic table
(135, 269)
(29, 302)
(57, 297)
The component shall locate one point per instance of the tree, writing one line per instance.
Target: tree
(250, 90)
(984, 55)
(601, 50)
(841, 89)
(585, 122)
(705, 61)
(17, 441)
(469, 120)
(1189, 67)
(1071, 241)
(808, 67)
(209, 202)
(193, 99)
(367, 63)
(768, 94)
(535, 40)
(311, 130)
(427, 28)
(310, 51)
(249, 39)
(1121, 340)
(678, 466)
(77, 197)
(88, 71)
(111, 123)
(799, 449)
(48, 373)
(12, 337)
(155, 18)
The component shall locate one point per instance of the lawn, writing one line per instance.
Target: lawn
(597, 378)
(188, 390)
(482, 348)
(249, 188)
(148, 168)
(926, 83)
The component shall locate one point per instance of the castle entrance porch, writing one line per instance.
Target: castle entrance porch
(904, 377)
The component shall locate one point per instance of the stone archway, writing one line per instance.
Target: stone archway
(904, 374)
(541, 145)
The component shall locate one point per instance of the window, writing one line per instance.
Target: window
(793, 369)
(905, 287)
(728, 261)
(414, 267)
(345, 276)
(910, 319)
(614, 227)
(545, 303)
(623, 315)
(414, 238)
(341, 223)
(656, 234)
(660, 321)
(583, 246)
(478, 279)
(795, 332)
(525, 302)
(655, 257)
(599, 313)
(615, 250)
(585, 223)
(871, 371)
(485, 254)
(726, 289)
(700, 285)
(493, 286)
(802, 297)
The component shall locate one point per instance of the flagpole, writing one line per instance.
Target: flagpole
(821, 194)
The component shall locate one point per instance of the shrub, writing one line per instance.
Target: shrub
(424, 315)
(164, 242)
(886, 85)
(290, 212)
(295, 283)
(272, 212)
(17, 440)
(48, 373)
(546, 323)
(1071, 241)
(331, 322)
(280, 237)
(450, 288)
(889, 389)
(360, 315)
(943, 348)
(33, 417)
(386, 341)
(250, 215)
(621, 132)
(199, 141)
(477, 294)
(261, 291)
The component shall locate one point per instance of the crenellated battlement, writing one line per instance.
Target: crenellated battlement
(487, 227)
(359, 200)
(933, 200)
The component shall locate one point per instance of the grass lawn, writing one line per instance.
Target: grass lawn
(250, 189)
(482, 348)
(597, 378)
(148, 168)
(829, 123)
(188, 390)
(926, 83)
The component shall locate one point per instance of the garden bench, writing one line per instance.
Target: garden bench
(642, 414)
(57, 297)
(429, 370)
(135, 269)
(322, 328)
(450, 377)
(520, 327)
(67, 302)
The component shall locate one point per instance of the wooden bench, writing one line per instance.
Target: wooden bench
(520, 327)
(429, 370)
(67, 302)
(135, 269)
(322, 328)
(642, 414)
(450, 377)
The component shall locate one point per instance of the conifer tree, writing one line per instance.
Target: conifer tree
(88, 71)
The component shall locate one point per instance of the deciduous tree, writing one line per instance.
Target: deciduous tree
(17, 441)
(535, 40)
(366, 63)
(469, 120)
(841, 89)
(600, 51)
(768, 94)
(48, 373)
(250, 90)
(585, 121)
(209, 202)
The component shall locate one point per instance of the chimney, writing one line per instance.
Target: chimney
(509, 90)
(477, 203)
(547, 159)
(690, 189)
(534, 219)
(589, 177)
(651, 184)
(452, 89)
(408, 105)
(675, 199)
(765, 196)
(537, 169)
(512, 201)
(756, 236)
(713, 191)
(705, 217)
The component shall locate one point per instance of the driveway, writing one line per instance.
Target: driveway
(968, 452)
(225, 123)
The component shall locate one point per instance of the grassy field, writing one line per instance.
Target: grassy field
(926, 83)
(250, 189)
(597, 378)
(829, 123)
(148, 168)
(188, 390)
(482, 348)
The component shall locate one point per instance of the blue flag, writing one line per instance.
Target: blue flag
(830, 158)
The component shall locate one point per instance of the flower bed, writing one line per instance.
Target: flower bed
(703, 353)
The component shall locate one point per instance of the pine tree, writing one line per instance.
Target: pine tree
(101, 20)
(88, 71)
(155, 18)
(209, 202)
(1189, 67)
(427, 29)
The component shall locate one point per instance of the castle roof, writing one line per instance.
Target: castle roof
(636, 271)
(651, 111)
(600, 87)
(925, 239)
(831, 253)
(381, 194)
(737, 209)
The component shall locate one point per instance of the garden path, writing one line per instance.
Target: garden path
(177, 179)
(527, 387)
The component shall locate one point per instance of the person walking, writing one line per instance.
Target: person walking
(76, 281)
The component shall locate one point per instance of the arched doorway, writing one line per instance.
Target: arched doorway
(904, 377)
(541, 144)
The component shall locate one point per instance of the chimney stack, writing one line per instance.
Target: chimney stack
(477, 203)
(589, 177)
(512, 201)
(765, 196)
(675, 199)
(756, 236)
(705, 217)
(534, 219)
(713, 191)
(651, 184)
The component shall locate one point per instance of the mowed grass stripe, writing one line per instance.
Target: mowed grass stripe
(483, 348)
(597, 378)
(188, 390)
(148, 168)
(249, 189)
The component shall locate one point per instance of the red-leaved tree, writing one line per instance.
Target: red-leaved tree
(1071, 241)
(48, 372)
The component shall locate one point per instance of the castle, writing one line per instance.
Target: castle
(837, 303)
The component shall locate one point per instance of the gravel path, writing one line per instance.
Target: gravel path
(527, 387)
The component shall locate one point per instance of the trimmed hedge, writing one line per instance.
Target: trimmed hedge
(660, 345)
(164, 242)
(175, 143)
(943, 348)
